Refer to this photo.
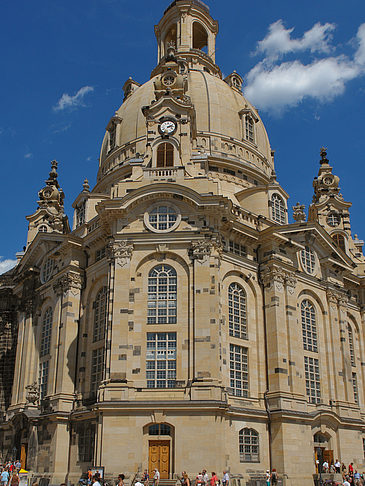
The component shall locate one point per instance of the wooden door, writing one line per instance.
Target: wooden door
(328, 456)
(159, 458)
(23, 455)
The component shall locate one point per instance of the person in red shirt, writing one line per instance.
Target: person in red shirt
(213, 480)
(351, 469)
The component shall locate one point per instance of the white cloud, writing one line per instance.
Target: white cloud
(279, 42)
(6, 265)
(277, 86)
(67, 101)
(28, 155)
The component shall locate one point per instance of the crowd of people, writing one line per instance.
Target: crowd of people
(9, 473)
(350, 476)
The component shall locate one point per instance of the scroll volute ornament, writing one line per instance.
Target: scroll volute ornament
(120, 252)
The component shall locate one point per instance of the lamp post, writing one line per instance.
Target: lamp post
(320, 463)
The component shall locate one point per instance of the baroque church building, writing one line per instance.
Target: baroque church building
(180, 321)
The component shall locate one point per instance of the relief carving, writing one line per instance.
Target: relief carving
(120, 251)
(69, 281)
(32, 395)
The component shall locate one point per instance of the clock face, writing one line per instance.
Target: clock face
(168, 126)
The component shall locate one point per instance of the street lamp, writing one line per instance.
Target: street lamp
(320, 463)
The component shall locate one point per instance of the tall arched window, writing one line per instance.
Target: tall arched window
(340, 241)
(278, 212)
(200, 36)
(237, 311)
(45, 348)
(165, 155)
(249, 129)
(351, 344)
(46, 332)
(249, 445)
(100, 315)
(309, 326)
(162, 295)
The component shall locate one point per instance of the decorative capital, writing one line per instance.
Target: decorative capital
(120, 251)
(277, 278)
(68, 281)
(32, 395)
(202, 249)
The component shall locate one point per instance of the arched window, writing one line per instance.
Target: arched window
(237, 311)
(249, 129)
(42, 229)
(308, 258)
(162, 295)
(278, 212)
(309, 327)
(46, 332)
(340, 241)
(165, 155)
(351, 344)
(249, 445)
(100, 315)
(200, 36)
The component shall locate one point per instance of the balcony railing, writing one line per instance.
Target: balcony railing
(164, 173)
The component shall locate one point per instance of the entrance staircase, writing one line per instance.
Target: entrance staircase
(169, 482)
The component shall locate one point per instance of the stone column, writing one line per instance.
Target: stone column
(68, 289)
(276, 333)
(337, 336)
(117, 356)
(205, 340)
(295, 362)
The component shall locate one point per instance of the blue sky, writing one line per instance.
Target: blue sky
(64, 64)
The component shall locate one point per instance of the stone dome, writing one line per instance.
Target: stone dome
(212, 119)
(219, 124)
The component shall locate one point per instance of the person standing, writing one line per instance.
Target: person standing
(4, 478)
(96, 480)
(213, 479)
(338, 466)
(205, 477)
(225, 479)
(274, 477)
(121, 480)
(14, 481)
(156, 477)
(268, 477)
(145, 478)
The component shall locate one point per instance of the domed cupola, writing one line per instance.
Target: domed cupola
(187, 25)
(187, 123)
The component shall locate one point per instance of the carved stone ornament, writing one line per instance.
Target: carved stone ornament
(299, 213)
(32, 395)
(277, 278)
(68, 281)
(291, 282)
(120, 251)
(202, 249)
(331, 296)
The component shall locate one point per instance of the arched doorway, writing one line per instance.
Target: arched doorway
(322, 450)
(160, 449)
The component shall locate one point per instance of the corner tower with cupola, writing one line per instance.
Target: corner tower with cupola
(183, 320)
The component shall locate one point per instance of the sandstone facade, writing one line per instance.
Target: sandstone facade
(182, 322)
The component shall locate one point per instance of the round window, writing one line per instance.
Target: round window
(333, 219)
(47, 270)
(308, 258)
(162, 218)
